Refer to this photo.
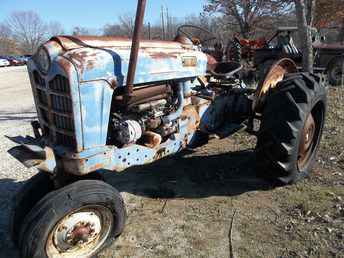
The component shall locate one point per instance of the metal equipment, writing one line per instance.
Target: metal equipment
(106, 103)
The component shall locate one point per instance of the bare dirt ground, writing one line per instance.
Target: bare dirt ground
(183, 206)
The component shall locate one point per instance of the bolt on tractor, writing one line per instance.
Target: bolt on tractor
(107, 104)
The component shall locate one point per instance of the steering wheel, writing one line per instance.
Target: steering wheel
(182, 30)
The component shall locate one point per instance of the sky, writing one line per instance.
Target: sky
(97, 13)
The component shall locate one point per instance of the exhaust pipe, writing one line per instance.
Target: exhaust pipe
(140, 13)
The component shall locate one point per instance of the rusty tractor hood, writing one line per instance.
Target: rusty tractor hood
(107, 58)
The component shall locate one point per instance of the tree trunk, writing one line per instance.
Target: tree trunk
(341, 33)
(305, 32)
(310, 11)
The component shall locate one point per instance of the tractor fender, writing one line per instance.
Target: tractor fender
(272, 75)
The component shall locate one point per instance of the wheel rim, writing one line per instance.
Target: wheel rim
(308, 138)
(80, 233)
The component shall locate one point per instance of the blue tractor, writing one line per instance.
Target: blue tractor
(106, 103)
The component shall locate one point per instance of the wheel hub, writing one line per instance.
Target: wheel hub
(76, 230)
(80, 233)
(307, 140)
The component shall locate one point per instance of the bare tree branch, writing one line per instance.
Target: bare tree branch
(27, 29)
(249, 14)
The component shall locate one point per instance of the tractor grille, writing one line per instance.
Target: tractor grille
(61, 103)
(63, 122)
(42, 97)
(56, 109)
(59, 84)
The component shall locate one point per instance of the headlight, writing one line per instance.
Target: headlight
(42, 59)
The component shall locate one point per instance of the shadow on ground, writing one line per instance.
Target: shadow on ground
(8, 189)
(180, 176)
(15, 116)
(188, 176)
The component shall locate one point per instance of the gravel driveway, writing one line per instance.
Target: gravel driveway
(16, 110)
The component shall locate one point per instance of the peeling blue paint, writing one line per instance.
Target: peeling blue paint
(90, 73)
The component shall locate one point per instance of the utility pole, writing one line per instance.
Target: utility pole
(168, 24)
(162, 22)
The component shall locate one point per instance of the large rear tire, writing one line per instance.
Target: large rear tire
(78, 220)
(291, 128)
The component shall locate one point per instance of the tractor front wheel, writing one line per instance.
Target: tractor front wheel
(31, 192)
(78, 220)
(291, 128)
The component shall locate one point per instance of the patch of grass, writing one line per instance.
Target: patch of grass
(314, 198)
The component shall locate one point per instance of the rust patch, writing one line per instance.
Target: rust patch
(145, 94)
(84, 57)
(272, 78)
(211, 64)
(307, 141)
(152, 139)
(96, 167)
(162, 55)
(74, 42)
(112, 81)
(66, 66)
(190, 112)
(160, 154)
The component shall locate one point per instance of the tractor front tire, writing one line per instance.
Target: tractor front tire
(30, 193)
(78, 220)
(291, 128)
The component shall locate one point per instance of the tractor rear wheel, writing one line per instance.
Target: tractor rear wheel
(78, 220)
(291, 128)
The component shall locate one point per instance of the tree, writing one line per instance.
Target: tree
(27, 29)
(54, 28)
(112, 30)
(7, 45)
(305, 10)
(5, 32)
(126, 23)
(79, 31)
(341, 33)
(328, 13)
(248, 14)
(124, 28)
